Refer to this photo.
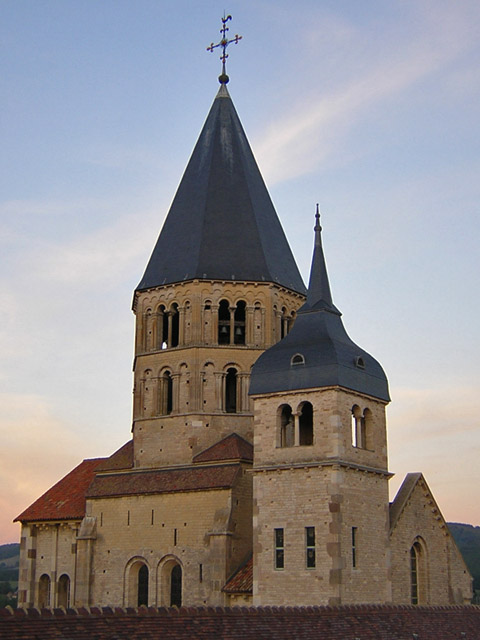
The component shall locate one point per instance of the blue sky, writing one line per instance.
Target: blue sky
(370, 108)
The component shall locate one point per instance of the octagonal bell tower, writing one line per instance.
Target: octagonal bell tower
(221, 286)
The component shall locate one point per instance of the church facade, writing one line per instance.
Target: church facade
(257, 472)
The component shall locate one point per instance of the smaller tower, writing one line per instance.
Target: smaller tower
(320, 462)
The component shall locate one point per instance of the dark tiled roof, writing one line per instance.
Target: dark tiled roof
(242, 579)
(66, 499)
(233, 447)
(244, 623)
(222, 224)
(331, 358)
(164, 481)
(121, 459)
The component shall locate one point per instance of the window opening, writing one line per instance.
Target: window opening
(44, 591)
(279, 558)
(310, 547)
(176, 586)
(414, 575)
(231, 391)
(358, 427)
(64, 591)
(224, 322)
(306, 424)
(354, 546)
(239, 323)
(175, 324)
(142, 586)
(166, 394)
(162, 327)
(286, 426)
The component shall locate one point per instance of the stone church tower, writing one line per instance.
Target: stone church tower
(258, 428)
(320, 461)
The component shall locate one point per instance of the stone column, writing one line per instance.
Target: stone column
(249, 326)
(181, 325)
(242, 392)
(296, 429)
(232, 325)
(175, 392)
(214, 321)
(220, 390)
(169, 339)
(84, 571)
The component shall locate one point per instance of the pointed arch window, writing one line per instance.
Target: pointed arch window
(231, 391)
(418, 573)
(305, 424)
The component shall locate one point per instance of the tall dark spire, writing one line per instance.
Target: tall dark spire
(319, 287)
(318, 352)
(222, 224)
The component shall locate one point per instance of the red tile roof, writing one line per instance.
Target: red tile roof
(242, 579)
(164, 481)
(366, 622)
(66, 499)
(233, 447)
(121, 459)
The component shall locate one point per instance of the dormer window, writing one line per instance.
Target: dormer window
(297, 359)
(360, 362)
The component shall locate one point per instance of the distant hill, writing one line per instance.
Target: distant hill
(9, 561)
(467, 538)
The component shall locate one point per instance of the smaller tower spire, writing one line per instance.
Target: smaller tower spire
(224, 42)
(319, 287)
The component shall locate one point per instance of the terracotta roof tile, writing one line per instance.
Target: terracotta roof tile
(233, 447)
(121, 459)
(242, 580)
(66, 499)
(368, 622)
(163, 481)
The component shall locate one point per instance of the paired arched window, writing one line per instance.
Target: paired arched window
(64, 591)
(44, 591)
(168, 326)
(231, 322)
(295, 429)
(361, 428)
(137, 578)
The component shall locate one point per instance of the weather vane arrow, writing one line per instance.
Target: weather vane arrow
(224, 42)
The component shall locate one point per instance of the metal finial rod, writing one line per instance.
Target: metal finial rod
(224, 42)
(317, 219)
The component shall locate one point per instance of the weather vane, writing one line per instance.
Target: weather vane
(224, 42)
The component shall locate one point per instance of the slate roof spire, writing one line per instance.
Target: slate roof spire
(222, 224)
(319, 287)
(328, 356)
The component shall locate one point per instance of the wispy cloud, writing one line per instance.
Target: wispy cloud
(301, 141)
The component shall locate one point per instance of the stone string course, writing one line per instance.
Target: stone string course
(360, 622)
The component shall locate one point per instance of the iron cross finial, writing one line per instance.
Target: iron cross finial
(224, 42)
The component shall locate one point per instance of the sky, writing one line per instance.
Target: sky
(369, 108)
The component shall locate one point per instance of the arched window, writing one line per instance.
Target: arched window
(175, 316)
(224, 322)
(142, 587)
(239, 323)
(166, 394)
(162, 327)
(176, 586)
(298, 358)
(44, 591)
(231, 391)
(305, 424)
(286, 426)
(358, 427)
(64, 591)
(418, 573)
